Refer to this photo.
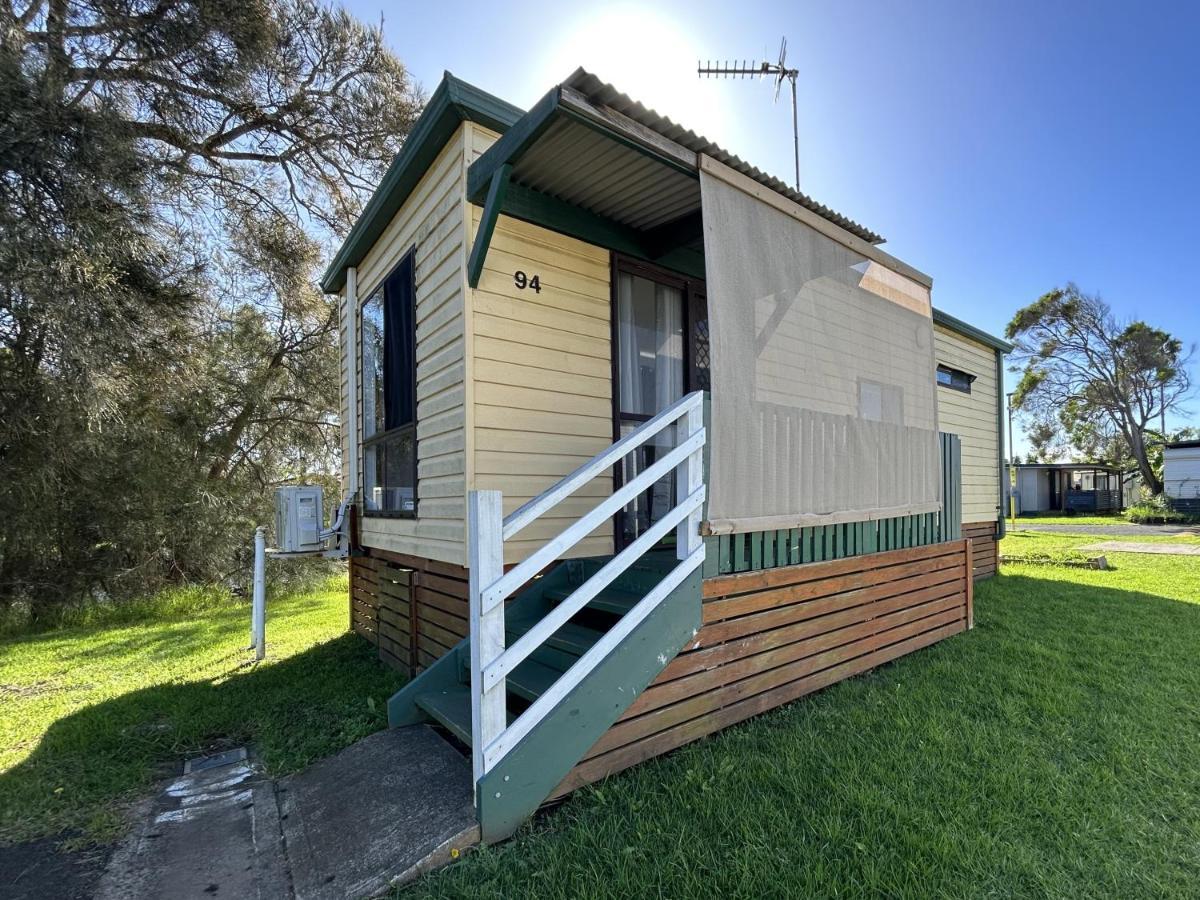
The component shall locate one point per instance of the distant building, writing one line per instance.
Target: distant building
(1181, 475)
(1068, 487)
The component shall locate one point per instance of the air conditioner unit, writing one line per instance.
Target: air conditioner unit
(299, 517)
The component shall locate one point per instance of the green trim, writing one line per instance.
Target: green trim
(626, 141)
(752, 551)
(949, 321)
(663, 239)
(514, 142)
(487, 224)
(452, 102)
(557, 215)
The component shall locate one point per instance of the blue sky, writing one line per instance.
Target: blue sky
(1004, 148)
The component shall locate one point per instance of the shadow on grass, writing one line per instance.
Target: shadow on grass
(179, 638)
(293, 711)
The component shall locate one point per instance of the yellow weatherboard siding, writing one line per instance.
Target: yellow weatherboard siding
(541, 376)
(973, 417)
(434, 220)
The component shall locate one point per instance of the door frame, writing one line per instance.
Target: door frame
(695, 308)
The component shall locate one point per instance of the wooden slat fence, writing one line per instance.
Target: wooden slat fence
(414, 610)
(983, 547)
(770, 637)
(364, 597)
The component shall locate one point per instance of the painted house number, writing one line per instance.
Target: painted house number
(522, 281)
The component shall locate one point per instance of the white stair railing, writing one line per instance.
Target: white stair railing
(490, 585)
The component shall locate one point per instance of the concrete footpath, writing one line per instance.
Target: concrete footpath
(381, 812)
(1143, 547)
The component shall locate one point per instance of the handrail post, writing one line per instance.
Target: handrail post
(485, 523)
(688, 477)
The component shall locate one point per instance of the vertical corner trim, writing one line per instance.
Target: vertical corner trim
(487, 224)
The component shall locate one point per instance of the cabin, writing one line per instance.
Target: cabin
(1069, 488)
(1181, 476)
(641, 441)
(970, 404)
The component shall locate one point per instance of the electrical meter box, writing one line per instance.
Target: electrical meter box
(299, 517)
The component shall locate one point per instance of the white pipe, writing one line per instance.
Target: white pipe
(258, 615)
(351, 357)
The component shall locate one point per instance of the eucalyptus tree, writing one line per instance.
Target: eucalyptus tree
(1094, 383)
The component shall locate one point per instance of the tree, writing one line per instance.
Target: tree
(172, 173)
(1092, 382)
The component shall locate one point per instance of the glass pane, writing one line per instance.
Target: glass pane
(389, 473)
(372, 487)
(650, 344)
(399, 490)
(372, 366)
(650, 505)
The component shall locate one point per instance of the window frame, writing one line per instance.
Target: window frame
(695, 309)
(389, 434)
(959, 380)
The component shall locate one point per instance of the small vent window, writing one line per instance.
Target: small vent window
(955, 379)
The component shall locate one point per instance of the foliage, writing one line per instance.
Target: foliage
(93, 713)
(1155, 511)
(1093, 383)
(171, 175)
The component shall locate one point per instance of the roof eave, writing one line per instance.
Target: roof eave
(453, 101)
(968, 330)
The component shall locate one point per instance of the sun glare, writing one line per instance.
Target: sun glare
(647, 55)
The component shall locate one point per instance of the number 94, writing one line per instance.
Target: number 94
(523, 281)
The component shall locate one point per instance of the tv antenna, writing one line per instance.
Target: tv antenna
(744, 69)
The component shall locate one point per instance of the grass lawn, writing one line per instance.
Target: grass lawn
(94, 715)
(1049, 752)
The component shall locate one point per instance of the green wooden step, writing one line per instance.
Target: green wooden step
(451, 708)
(531, 679)
(574, 639)
(609, 600)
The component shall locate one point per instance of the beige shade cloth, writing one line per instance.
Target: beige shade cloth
(823, 388)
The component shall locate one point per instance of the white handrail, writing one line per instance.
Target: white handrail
(569, 484)
(585, 593)
(490, 586)
(557, 546)
(511, 736)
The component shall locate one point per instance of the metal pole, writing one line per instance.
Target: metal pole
(258, 614)
(796, 133)
(1012, 471)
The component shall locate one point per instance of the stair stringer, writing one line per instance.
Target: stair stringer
(512, 791)
(528, 606)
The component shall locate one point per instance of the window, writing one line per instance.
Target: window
(389, 394)
(955, 379)
(880, 402)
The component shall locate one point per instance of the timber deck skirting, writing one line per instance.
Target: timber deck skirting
(983, 547)
(413, 609)
(772, 636)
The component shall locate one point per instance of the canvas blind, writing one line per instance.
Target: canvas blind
(823, 390)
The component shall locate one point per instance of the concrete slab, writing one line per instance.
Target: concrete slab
(211, 833)
(381, 812)
(1143, 547)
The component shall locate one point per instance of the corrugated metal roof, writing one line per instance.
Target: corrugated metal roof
(604, 94)
(616, 181)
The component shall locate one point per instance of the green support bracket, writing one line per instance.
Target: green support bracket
(487, 224)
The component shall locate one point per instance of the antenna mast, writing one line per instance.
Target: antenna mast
(742, 69)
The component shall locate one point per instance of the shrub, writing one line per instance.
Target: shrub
(1154, 511)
